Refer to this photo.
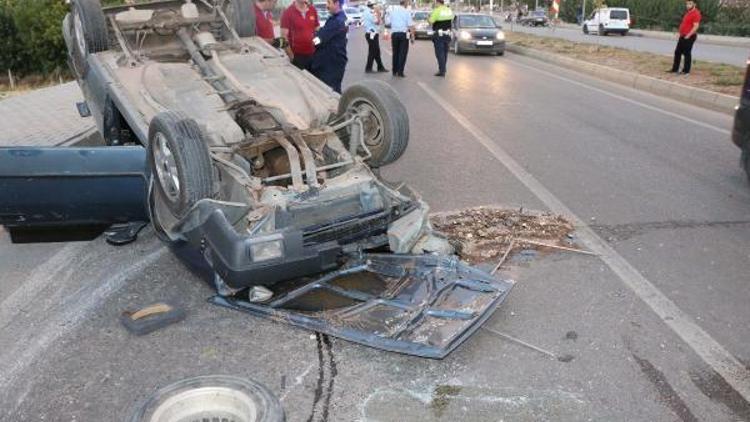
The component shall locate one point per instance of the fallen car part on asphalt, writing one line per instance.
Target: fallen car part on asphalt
(211, 398)
(151, 318)
(422, 305)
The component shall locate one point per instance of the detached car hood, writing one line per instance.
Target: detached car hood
(423, 305)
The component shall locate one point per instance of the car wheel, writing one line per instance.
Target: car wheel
(585, 29)
(241, 15)
(602, 32)
(745, 160)
(179, 161)
(501, 53)
(89, 32)
(384, 117)
(623, 33)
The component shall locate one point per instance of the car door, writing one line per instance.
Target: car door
(593, 22)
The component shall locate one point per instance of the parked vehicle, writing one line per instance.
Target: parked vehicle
(422, 28)
(476, 33)
(608, 20)
(535, 18)
(353, 16)
(741, 128)
(257, 175)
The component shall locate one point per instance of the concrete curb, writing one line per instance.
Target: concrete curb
(696, 96)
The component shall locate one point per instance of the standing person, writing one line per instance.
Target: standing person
(371, 21)
(441, 19)
(263, 22)
(402, 30)
(329, 61)
(298, 25)
(688, 34)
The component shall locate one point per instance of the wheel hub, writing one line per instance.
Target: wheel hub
(166, 167)
(372, 122)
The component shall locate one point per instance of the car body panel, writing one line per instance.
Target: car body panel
(481, 39)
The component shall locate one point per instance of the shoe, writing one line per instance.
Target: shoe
(369, 71)
(383, 70)
(670, 71)
(684, 73)
(441, 74)
(401, 75)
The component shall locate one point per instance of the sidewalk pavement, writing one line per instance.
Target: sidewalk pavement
(43, 117)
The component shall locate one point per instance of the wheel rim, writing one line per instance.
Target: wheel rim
(80, 40)
(372, 122)
(166, 168)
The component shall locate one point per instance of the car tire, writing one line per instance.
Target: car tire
(387, 122)
(179, 161)
(602, 32)
(624, 33)
(745, 160)
(241, 15)
(586, 29)
(89, 32)
(115, 130)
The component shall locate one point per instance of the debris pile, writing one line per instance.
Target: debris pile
(485, 234)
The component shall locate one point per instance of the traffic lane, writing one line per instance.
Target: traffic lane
(736, 56)
(442, 166)
(17, 261)
(670, 355)
(598, 151)
(584, 165)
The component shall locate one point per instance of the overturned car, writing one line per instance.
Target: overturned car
(258, 175)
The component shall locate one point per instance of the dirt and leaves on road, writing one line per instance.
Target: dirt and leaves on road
(716, 77)
(485, 234)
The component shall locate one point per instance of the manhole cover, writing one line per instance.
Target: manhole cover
(212, 398)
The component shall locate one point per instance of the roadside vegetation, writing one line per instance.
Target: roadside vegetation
(722, 78)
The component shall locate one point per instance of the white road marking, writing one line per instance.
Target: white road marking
(714, 354)
(627, 100)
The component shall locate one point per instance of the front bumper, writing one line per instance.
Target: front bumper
(741, 127)
(475, 46)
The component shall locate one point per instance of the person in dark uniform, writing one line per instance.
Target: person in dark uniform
(329, 60)
(441, 19)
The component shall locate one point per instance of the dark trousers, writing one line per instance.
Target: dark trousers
(302, 61)
(684, 48)
(373, 51)
(400, 46)
(331, 75)
(441, 50)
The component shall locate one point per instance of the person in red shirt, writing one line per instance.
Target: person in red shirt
(298, 25)
(263, 22)
(688, 34)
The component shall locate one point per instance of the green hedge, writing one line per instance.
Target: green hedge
(667, 14)
(31, 38)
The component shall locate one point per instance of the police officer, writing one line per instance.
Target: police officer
(329, 60)
(440, 19)
(371, 20)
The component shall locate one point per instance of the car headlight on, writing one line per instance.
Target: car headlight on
(267, 248)
(464, 35)
(500, 35)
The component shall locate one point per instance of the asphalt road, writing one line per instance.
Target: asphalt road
(658, 181)
(736, 56)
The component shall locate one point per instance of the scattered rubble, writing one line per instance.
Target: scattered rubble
(484, 234)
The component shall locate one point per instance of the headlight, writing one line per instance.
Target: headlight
(464, 35)
(267, 249)
(500, 35)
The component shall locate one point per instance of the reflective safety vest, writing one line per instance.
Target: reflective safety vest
(440, 14)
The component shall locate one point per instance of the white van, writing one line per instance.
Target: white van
(608, 20)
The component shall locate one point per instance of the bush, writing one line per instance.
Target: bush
(31, 36)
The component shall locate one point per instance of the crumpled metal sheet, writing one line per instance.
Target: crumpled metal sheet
(423, 305)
